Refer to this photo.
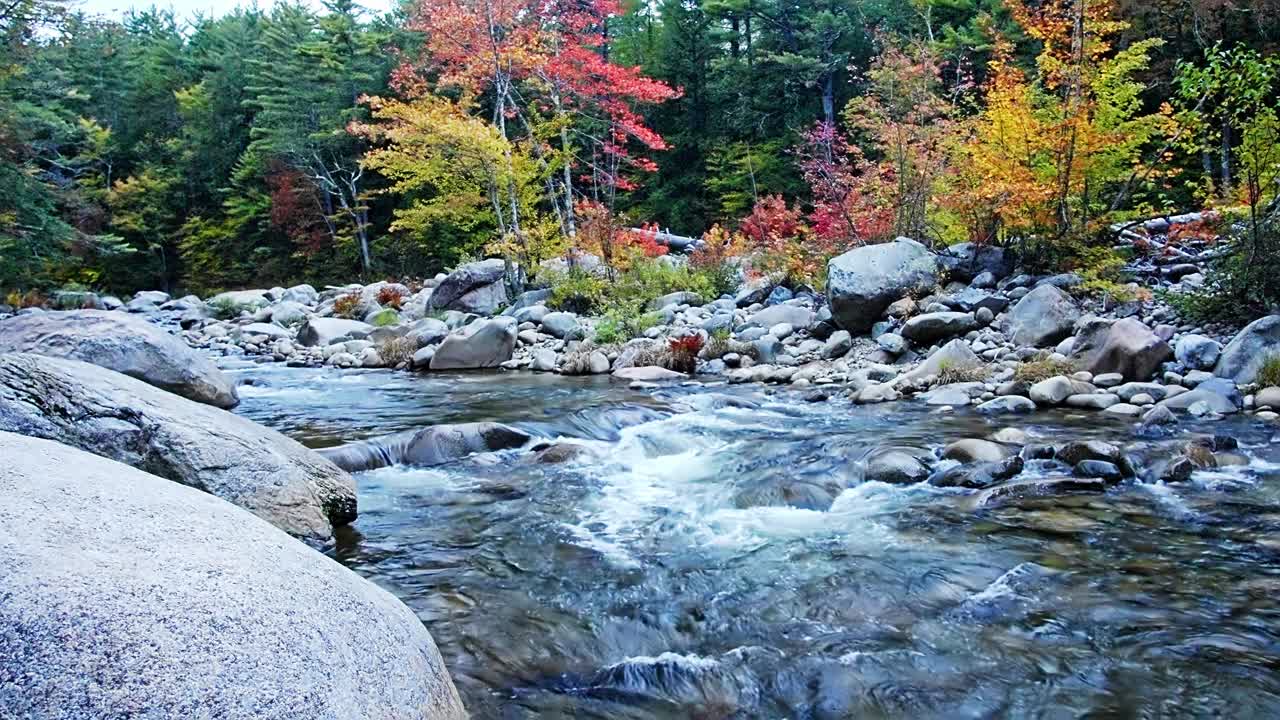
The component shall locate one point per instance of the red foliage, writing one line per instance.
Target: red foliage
(848, 207)
(295, 209)
(390, 296)
(687, 345)
(771, 222)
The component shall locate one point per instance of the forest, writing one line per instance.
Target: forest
(283, 144)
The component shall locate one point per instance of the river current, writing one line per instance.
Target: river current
(715, 553)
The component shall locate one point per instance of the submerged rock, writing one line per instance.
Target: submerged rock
(226, 455)
(434, 445)
(1042, 487)
(122, 343)
(126, 595)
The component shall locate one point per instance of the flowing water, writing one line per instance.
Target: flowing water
(715, 554)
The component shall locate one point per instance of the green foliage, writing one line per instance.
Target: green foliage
(578, 291)
(1269, 372)
(385, 318)
(228, 309)
(609, 332)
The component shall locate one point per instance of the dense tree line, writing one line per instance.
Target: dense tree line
(288, 144)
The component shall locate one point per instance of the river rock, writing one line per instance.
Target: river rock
(1243, 356)
(955, 354)
(434, 445)
(1092, 401)
(115, 416)
(1006, 404)
(647, 373)
(147, 301)
(126, 595)
(1197, 352)
(864, 281)
(931, 327)
(482, 344)
(427, 331)
(1268, 397)
(967, 261)
(1056, 390)
(562, 325)
(303, 294)
(478, 287)
(124, 344)
(978, 475)
(1126, 347)
(1042, 317)
(260, 333)
(1218, 396)
(242, 299)
(322, 331)
(793, 315)
(1042, 487)
(895, 466)
(975, 450)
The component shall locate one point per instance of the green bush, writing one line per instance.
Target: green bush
(578, 291)
(1242, 284)
(227, 309)
(1269, 373)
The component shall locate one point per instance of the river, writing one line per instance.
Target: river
(695, 565)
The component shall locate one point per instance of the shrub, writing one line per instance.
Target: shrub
(396, 350)
(609, 332)
(346, 306)
(578, 291)
(1242, 284)
(950, 373)
(684, 353)
(1037, 370)
(227, 309)
(390, 296)
(1269, 373)
(19, 300)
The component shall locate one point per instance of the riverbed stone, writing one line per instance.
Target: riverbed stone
(1125, 346)
(862, 283)
(793, 315)
(931, 327)
(1042, 317)
(146, 301)
(975, 450)
(126, 594)
(649, 373)
(895, 466)
(323, 331)
(1268, 397)
(562, 325)
(1041, 487)
(115, 416)
(1056, 390)
(477, 287)
(434, 445)
(122, 343)
(1007, 404)
(1198, 352)
(1092, 401)
(1249, 349)
(482, 344)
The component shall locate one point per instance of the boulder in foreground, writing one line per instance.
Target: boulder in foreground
(123, 343)
(126, 595)
(864, 281)
(226, 455)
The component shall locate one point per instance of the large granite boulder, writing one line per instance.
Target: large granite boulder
(122, 343)
(1249, 349)
(478, 287)
(1126, 346)
(1197, 352)
(482, 344)
(435, 445)
(864, 281)
(117, 417)
(126, 595)
(1043, 317)
(323, 331)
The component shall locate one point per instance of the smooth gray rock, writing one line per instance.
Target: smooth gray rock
(676, 298)
(303, 294)
(794, 315)
(1056, 390)
(124, 344)
(126, 595)
(1007, 404)
(245, 299)
(562, 325)
(975, 450)
(260, 332)
(1249, 349)
(863, 282)
(837, 345)
(1268, 397)
(968, 261)
(482, 344)
(1197, 352)
(955, 354)
(895, 466)
(322, 331)
(1126, 347)
(1042, 317)
(147, 301)
(544, 360)
(478, 287)
(647, 373)
(931, 327)
(288, 313)
(212, 450)
(1045, 487)
(434, 445)
(427, 331)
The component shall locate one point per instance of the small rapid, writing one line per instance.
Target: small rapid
(715, 552)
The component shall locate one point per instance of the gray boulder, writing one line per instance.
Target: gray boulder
(562, 325)
(124, 344)
(966, 261)
(1197, 352)
(244, 299)
(1249, 349)
(260, 332)
(793, 315)
(209, 449)
(434, 445)
(1007, 404)
(1126, 347)
(896, 466)
(1218, 395)
(302, 294)
(321, 331)
(288, 313)
(126, 595)
(478, 287)
(482, 344)
(427, 331)
(147, 301)
(863, 282)
(955, 354)
(931, 327)
(1042, 317)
